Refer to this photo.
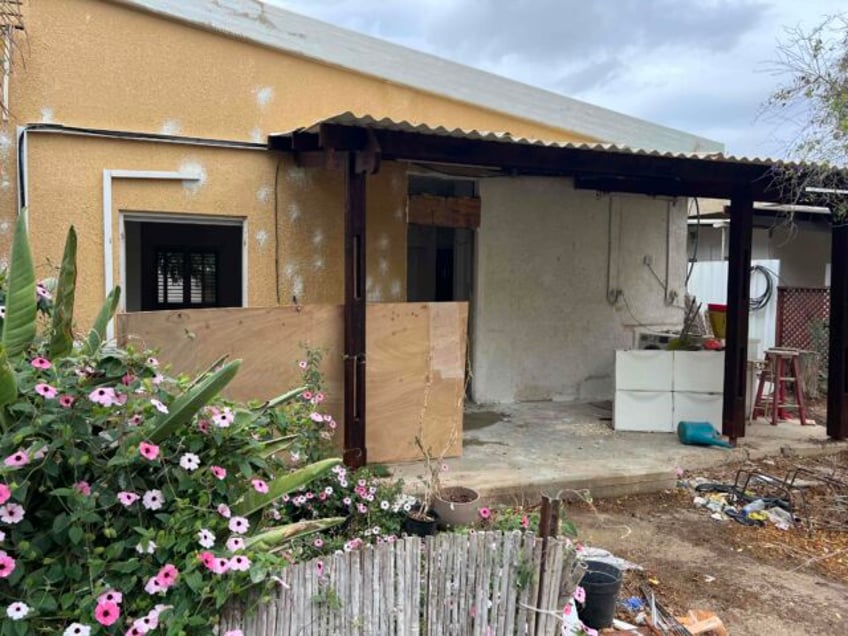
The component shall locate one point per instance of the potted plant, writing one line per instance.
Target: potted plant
(422, 520)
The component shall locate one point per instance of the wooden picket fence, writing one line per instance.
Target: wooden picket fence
(481, 584)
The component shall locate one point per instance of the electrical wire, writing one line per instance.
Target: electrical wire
(761, 301)
(697, 242)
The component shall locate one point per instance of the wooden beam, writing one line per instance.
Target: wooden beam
(837, 368)
(427, 209)
(355, 454)
(738, 303)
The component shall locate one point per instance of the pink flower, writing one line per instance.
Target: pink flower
(83, 488)
(224, 511)
(239, 563)
(158, 405)
(316, 417)
(127, 498)
(259, 485)
(136, 419)
(234, 632)
(318, 543)
(128, 379)
(16, 460)
(302, 364)
(239, 525)
(153, 362)
(484, 513)
(224, 417)
(152, 586)
(203, 426)
(42, 292)
(41, 363)
(167, 576)
(207, 559)
(148, 451)
(525, 522)
(234, 544)
(104, 396)
(66, 401)
(220, 473)
(112, 596)
(332, 424)
(12, 513)
(319, 568)
(319, 397)
(157, 379)
(7, 565)
(221, 566)
(306, 395)
(5, 493)
(45, 390)
(107, 613)
(580, 594)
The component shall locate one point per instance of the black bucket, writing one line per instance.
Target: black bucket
(602, 583)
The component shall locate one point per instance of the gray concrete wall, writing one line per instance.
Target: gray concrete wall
(542, 324)
(803, 251)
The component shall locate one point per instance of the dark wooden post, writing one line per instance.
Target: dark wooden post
(837, 373)
(738, 304)
(354, 315)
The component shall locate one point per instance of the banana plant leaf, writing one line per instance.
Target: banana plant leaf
(189, 403)
(19, 323)
(8, 380)
(62, 336)
(280, 534)
(97, 334)
(273, 446)
(254, 501)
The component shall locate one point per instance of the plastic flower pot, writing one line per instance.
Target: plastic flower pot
(456, 506)
(602, 583)
(420, 523)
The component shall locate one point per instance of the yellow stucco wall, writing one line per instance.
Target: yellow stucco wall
(97, 64)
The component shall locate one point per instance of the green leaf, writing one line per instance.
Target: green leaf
(189, 403)
(254, 501)
(62, 338)
(8, 380)
(273, 446)
(282, 399)
(97, 334)
(19, 323)
(281, 534)
(75, 534)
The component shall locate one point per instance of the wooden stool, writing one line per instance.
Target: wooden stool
(782, 368)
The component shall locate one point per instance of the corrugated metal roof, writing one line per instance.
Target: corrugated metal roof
(277, 28)
(367, 121)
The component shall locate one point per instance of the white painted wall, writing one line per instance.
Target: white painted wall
(543, 327)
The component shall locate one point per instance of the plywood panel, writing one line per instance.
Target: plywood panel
(416, 377)
(415, 362)
(267, 340)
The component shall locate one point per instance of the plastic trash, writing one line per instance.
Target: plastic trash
(700, 434)
(780, 518)
(755, 506)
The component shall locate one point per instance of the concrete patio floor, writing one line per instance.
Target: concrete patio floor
(514, 452)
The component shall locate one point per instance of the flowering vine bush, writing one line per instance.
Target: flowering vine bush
(129, 501)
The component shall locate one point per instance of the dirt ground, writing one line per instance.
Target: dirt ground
(759, 580)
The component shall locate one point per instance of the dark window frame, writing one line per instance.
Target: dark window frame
(187, 254)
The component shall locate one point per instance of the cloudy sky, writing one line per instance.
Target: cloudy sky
(699, 65)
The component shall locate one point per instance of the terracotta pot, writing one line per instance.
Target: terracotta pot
(420, 525)
(457, 506)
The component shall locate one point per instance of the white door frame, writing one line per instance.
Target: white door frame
(164, 217)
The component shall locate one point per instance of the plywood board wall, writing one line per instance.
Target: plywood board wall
(415, 362)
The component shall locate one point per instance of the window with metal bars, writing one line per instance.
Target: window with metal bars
(186, 278)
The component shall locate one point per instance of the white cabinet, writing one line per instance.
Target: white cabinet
(643, 411)
(654, 390)
(643, 370)
(690, 406)
(698, 371)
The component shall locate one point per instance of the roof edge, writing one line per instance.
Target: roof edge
(290, 32)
